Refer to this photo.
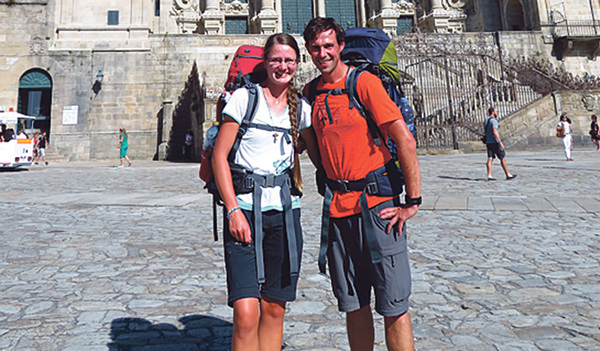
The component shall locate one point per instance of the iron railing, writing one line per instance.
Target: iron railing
(577, 28)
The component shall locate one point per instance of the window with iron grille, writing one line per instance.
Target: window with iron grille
(236, 25)
(344, 12)
(405, 25)
(295, 15)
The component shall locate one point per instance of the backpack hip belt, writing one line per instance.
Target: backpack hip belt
(251, 182)
(384, 181)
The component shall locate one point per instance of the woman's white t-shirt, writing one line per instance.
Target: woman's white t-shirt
(261, 152)
(566, 126)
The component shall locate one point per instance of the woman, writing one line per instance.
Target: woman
(567, 138)
(258, 289)
(595, 132)
(123, 145)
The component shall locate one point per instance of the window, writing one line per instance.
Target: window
(344, 12)
(156, 7)
(405, 25)
(113, 18)
(236, 25)
(295, 15)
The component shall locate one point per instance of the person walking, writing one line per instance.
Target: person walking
(187, 145)
(363, 234)
(41, 145)
(564, 128)
(595, 132)
(262, 234)
(123, 146)
(494, 145)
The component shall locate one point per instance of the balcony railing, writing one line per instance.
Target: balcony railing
(577, 28)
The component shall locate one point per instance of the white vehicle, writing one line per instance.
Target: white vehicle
(16, 152)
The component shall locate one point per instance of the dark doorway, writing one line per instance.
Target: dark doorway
(35, 98)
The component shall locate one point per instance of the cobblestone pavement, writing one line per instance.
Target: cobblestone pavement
(95, 257)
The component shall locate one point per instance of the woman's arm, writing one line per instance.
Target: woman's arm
(238, 225)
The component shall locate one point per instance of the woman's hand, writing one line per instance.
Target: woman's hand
(239, 227)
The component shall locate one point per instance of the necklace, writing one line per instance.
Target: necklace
(275, 101)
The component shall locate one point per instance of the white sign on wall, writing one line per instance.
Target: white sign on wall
(69, 115)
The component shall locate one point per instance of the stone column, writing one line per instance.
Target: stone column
(167, 124)
(213, 18)
(267, 18)
(387, 19)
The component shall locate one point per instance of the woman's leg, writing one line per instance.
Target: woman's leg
(270, 329)
(567, 147)
(246, 318)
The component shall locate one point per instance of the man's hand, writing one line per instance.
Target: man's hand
(397, 215)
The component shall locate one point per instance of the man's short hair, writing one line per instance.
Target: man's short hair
(318, 25)
(491, 110)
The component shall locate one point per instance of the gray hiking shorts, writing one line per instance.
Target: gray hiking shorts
(352, 273)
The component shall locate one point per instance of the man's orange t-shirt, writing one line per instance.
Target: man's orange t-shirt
(348, 151)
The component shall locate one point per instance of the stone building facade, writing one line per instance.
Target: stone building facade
(86, 69)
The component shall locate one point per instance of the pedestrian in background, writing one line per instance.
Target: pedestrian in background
(123, 146)
(187, 145)
(41, 144)
(494, 145)
(564, 127)
(595, 132)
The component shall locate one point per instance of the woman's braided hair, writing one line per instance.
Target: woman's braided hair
(292, 100)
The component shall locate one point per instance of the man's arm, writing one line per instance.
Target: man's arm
(407, 156)
(497, 136)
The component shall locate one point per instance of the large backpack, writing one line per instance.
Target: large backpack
(371, 50)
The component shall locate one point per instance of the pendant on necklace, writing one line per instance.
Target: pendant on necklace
(275, 135)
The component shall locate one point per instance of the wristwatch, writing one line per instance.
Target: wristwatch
(411, 201)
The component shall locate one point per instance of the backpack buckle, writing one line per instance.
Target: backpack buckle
(248, 182)
(372, 189)
(269, 181)
(343, 186)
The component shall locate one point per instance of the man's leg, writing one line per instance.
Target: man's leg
(399, 333)
(361, 334)
(505, 167)
(488, 166)
(270, 328)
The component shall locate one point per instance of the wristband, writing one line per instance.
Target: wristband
(235, 208)
(411, 201)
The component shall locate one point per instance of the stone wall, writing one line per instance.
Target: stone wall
(535, 126)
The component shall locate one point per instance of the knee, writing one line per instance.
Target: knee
(245, 320)
(272, 309)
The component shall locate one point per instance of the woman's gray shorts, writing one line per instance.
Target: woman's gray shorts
(353, 274)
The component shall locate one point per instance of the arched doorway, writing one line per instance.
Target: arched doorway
(515, 18)
(35, 98)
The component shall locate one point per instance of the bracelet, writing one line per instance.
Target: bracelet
(235, 208)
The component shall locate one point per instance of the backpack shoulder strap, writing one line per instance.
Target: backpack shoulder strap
(351, 84)
(250, 112)
(312, 89)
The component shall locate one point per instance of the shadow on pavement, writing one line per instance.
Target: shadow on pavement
(464, 178)
(199, 333)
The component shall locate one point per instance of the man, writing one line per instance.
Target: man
(349, 156)
(494, 145)
(42, 144)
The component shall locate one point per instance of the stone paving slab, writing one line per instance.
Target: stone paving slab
(100, 258)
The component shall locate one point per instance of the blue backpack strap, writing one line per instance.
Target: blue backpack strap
(250, 112)
(351, 83)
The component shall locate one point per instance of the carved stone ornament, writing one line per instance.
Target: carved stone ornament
(590, 102)
(404, 7)
(454, 4)
(180, 5)
(235, 8)
(37, 46)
